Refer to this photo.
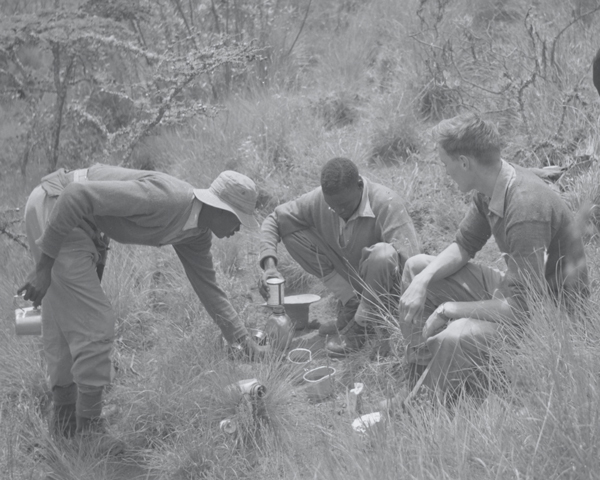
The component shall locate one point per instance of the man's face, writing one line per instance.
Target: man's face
(345, 203)
(227, 225)
(455, 170)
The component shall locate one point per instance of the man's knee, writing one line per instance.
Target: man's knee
(459, 336)
(381, 255)
(92, 365)
(414, 266)
(450, 338)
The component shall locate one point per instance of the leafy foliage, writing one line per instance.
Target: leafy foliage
(94, 75)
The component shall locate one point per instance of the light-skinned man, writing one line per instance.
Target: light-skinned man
(452, 310)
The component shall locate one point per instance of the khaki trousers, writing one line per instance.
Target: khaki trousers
(377, 280)
(459, 355)
(77, 318)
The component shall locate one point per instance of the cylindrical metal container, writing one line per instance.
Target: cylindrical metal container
(251, 387)
(28, 320)
(276, 291)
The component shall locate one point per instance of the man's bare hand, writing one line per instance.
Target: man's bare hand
(412, 302)
(434, 324)
(38, 281)
(245, 348)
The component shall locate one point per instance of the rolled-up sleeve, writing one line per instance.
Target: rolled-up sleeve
(474, 229)
(197, 262)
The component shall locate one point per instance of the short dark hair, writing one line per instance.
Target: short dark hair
(469, 134)
(338, 174)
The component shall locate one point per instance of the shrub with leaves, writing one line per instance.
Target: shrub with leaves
(97, 79)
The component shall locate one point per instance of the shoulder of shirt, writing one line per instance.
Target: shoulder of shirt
(528, 185)
(528, 196)
(378, 191)
(308, 199)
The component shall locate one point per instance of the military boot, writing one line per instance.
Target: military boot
(350, 340)
(62, 421)
(92, 429)
(345, 314)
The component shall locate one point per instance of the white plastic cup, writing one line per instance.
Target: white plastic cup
(276, 291)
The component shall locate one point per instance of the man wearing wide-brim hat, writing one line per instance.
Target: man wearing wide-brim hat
(69, 218)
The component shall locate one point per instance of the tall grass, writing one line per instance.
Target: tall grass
(363, 78)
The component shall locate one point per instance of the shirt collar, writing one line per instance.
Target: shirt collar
(505, 177)
(364, 208)
(192, 221)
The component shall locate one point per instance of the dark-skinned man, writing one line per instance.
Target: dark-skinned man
(355, 236)
(68, 218)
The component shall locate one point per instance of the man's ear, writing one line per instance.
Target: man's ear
(360, 182)
(465, 161)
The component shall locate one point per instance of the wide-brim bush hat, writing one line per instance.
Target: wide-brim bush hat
(234, 192)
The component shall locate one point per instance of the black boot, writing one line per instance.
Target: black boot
(63, 423)
(345, 314)
(349, 341)
(92, 429)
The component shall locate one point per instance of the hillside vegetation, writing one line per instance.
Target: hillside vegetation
(273, 89)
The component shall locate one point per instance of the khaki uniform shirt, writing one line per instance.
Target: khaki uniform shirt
(535, 231)
(145, 208)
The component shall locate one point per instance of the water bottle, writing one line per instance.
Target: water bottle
(279, 328)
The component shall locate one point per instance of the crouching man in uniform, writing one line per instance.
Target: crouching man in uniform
(453, 311)
(353, 234)
(68, 218)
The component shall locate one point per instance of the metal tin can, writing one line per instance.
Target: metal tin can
(28, 320)
(228, 426)
(252, 387)
(276, 291)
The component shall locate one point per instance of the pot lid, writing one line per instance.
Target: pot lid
(302, 299)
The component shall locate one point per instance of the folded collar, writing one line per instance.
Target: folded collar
(364, 208)
(192, 221)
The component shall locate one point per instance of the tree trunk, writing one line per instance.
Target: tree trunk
(61, 86)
